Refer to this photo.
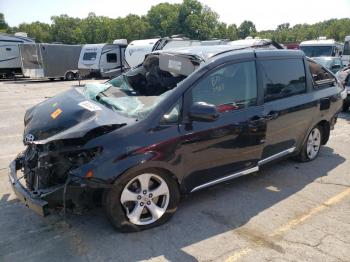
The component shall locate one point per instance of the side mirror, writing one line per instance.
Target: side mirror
(203, 112)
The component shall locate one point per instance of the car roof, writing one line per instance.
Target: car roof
(208, 52)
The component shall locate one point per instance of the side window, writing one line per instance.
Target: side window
(231, 87)
(283, 78)
(173, 116)
(111, 58)
(320, 75)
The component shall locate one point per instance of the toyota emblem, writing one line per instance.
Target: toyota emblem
(28, 138)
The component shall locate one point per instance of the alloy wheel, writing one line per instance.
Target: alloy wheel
(313, 143)
(145, 199)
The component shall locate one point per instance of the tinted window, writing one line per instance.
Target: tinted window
(231, 87)
(283, 78)
(320, 75)
(112, 58)
(90, 56)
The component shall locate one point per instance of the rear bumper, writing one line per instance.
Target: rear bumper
(38, 205)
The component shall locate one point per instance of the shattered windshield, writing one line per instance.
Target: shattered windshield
(136, 92)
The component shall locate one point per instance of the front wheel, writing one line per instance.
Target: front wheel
(141, 200)
(312, 145)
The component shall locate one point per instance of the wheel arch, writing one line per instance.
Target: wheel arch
(155, 166)
(326, 128)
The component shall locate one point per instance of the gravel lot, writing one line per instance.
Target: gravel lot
(287, 212)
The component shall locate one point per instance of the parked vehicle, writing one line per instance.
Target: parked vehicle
(346, 51)
(321, 47)
(10, 61)
(137, 50)
(50, 61)
(344, 77)
(294, 46)
(141, 139)
(102, 60)
(334, 64)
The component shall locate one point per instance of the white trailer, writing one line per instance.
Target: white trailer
(346, 51)
(10, 62)
(137, 50)
(321, 47)
(50, 60)
(102, 60)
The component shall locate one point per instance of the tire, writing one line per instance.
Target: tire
(69, 76)
(345, 107)
(52, 79)
(312, 145)
(124, 217)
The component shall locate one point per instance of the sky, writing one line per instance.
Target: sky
(264, 14)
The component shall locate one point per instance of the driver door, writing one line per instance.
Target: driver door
(231, 145)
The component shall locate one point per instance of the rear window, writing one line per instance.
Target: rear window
(89, 56)
(283, 78)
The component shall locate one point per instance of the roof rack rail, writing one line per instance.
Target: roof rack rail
(266, 43)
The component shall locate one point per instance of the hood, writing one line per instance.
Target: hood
(68, 115)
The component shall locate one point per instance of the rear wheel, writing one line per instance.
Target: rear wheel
(345, 107)
(312, 145)
(141, 200)
(69, 76)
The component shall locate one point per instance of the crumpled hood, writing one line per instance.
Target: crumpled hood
(68, 115)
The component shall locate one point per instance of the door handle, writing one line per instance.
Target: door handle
(272, 115)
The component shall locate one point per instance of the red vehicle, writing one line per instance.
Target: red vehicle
(291, 45)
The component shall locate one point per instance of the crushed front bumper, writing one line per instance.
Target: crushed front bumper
(36, 201)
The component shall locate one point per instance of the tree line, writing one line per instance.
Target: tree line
(190, 18)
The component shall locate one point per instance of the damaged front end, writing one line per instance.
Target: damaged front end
(45, 181)
(48, 173)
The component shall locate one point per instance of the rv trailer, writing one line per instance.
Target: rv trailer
(10, 62)
(50, 61)
(321, 47)
(346, 51)
(102, 60)
(137, 50)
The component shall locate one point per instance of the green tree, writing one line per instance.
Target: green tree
(196, 20)
(65, 29)
(247, 28)
(162, 19)
(37, 30)
(3, 24)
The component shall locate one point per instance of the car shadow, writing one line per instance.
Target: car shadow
(200, 216)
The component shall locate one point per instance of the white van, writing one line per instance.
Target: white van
(102, 60)
(321, 47)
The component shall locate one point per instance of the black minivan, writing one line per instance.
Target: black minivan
(184, 120)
